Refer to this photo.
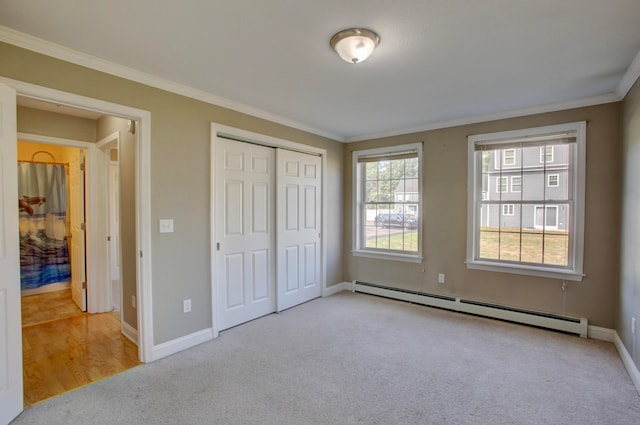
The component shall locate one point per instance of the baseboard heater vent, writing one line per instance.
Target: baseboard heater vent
(573, 325)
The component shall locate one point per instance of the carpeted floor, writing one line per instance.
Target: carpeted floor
(359, 359)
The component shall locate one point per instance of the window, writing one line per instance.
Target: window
(538, 231)
(388, 203)
(507, 209)
(502, 184)
(546, 154)
(509, 157)
(516, 184)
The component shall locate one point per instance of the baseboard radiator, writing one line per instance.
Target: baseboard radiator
(573, 325)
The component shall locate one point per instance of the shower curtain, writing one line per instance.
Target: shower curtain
(42, 201)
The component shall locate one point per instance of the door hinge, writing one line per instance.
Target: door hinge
(84, 285)
(140, 254)
(83, 226)
(108, 238)
(218, 246)
(82, 166)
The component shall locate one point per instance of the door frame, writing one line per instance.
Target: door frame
(91, 223)
(220, 130)
(143, 195)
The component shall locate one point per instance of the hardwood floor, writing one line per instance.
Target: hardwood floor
(48, 306)
(65, 354)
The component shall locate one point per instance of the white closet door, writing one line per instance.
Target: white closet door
(10, 324)
(245, 232)
(298, 228)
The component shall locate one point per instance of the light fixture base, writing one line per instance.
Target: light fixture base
(354, 45)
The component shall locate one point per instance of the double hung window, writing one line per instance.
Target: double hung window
(388, 202)
(537, 227)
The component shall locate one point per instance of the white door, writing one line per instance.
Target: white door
(244, 228)
(11, 322)
(78, 265)
(114, 224)
(298, 229)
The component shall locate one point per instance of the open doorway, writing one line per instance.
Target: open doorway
(64, 348)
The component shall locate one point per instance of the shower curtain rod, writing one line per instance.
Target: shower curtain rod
(66, 164)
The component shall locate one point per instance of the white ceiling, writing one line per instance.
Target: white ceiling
(439, 61)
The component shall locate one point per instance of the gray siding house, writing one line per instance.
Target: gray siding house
(526, 187)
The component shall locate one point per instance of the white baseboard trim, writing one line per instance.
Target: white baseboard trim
(627, 360)
(179, 344)
(602, 334)
(338, 287)
(130, 332)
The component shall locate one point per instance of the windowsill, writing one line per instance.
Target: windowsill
(526, 270)
(393, 256)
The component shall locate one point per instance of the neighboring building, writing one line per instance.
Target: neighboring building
(407, 191)
(523, 176)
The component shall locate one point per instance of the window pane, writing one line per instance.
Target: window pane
(489, 243)
(556, 248)
(531, 247)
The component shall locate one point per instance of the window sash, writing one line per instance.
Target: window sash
(571, 133)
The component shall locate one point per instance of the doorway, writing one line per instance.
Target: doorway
(11, 398)
(52, 239)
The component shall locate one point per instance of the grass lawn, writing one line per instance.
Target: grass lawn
(407, 241)
(530, 246)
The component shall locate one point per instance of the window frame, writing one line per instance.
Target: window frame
(519, 184)
(544, 152)
(499, 184)
(504, 158)
(510, 209)
(557, 176)
(358, 205)
(574, 271)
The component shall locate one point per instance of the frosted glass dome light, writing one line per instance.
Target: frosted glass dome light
(355, 45)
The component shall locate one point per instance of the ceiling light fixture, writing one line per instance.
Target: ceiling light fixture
(355, 45)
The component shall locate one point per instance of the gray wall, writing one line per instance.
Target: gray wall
(445, 222)
(180, 170)
(629, 296)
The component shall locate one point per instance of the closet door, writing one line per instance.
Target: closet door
(245, 232)
(298, 228)
(10, 324)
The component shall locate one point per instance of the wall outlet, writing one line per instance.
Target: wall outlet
(133, 301)
(633, 325)
(440, 277)
(186, 305)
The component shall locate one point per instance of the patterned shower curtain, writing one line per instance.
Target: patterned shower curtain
(42, 200)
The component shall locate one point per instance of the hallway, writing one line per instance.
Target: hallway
(66, 353)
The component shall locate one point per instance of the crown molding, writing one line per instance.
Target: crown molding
(630, 77)
(38, 45)
(553, 107)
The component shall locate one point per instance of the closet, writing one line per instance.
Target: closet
(267, 230)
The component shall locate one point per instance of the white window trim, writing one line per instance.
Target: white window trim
(510, 208)
(543, 154)
(575, 271)
(516, 177)
(356, 250)
(557, 176)
(504, 158)
(544, 217)
(500, 179)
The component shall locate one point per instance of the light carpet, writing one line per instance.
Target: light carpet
(359, 359)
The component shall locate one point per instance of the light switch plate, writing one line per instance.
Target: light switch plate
(166, 226)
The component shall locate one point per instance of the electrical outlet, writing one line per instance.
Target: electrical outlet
(633, 325)
(133, 301)
(186, 305)
(440, 277)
